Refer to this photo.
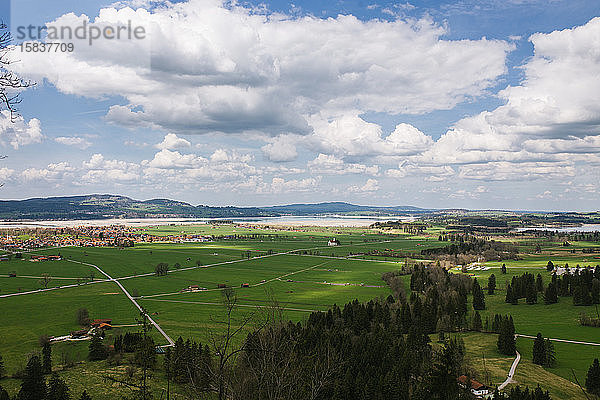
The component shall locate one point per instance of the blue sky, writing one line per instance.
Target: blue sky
(436, 104)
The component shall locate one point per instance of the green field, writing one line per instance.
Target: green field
(293, 266)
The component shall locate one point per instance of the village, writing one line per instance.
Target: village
(88, 236)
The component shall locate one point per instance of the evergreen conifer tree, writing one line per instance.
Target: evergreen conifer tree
(57, 389)
(47, 357)
(4, 394)
(476, 325)
(509, 294)
(506, 338)
(592, 382)
(550, 354)
(478, 297)
(97, 351)
(539, 283)
(491, 284)
(85, 396)
(531, 294)
(551, 294)
(33, 386)
(539, 350)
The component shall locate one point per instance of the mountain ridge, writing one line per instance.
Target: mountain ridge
(101, 206)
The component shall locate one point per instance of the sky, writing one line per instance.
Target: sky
(437, 104)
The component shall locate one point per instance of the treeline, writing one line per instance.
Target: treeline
(189, 363)
(526, 286)
(361, 351)
(556, 236)
(489, 249)
(583, 285)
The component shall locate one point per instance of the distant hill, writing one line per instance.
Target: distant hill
(340, 208)
(111, 206)
(99, 206)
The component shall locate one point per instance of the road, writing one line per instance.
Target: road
(135, 303)
(511, 372)
(561, 340)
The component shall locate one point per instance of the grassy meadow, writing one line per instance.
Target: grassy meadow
(293, 267)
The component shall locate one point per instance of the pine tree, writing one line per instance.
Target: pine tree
(531, 294)
(503, 269)
(539, 350)
(550, 266)
(506, 338)
(97, 351)
(34, 385)
(4, 394)
(509, 294)
(57, 389)
(47, 357)
(85, 396)
(539, 283)
(477, 322)
(2, 370)
(550, 354)
(592, 382)
(551, 294)
(478, 298)
(491, 284)
(578, 296)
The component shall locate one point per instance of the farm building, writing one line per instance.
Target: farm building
(478, 389)
(333, 242)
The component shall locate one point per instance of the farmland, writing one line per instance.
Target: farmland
(294, 268)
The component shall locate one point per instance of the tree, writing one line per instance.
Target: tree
(57, 389)
(4, 394)
(551, 294)
(33, 386)
(531, 294)
(2, 370)
(83, 317)
(504, 269)
(10, 83)
(477, 325)
(491, 284)
(592, 381)
(539, 350)
(511, 297)
(506, 338)
(550, 266)
(478, 297)
(47, 358)
(550, 354)
(85, 396)
(224, 344)
(45, 280)
(97, 351)
(162, 269)
(539, 283)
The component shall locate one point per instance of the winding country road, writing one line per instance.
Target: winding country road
(511, 372)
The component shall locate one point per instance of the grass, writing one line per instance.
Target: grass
(299, 283)
(492, 368)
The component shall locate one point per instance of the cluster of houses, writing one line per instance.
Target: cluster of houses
(35, 258)
(89, 236)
